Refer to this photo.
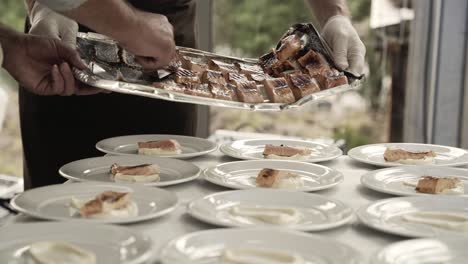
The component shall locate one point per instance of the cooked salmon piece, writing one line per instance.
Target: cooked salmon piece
(267, 177)
(198, 89)
(278, 90)
(144, 169)
(432, 185)
(106, 201)
(167, 145)
(289, 48)
(217, 84)
(222, 67)
(285, 151)
(267, 61)
(248, 92)
(258, 78)
(280, 67)
(396, 154)
(236, 78)
(312, 57)
(248, 69)
(186, 76)
(302, 84)
(333, 78)
(194, 65)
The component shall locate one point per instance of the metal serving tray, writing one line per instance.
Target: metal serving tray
(106, 76)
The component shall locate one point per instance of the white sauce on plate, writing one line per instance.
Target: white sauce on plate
(445, 220)
(158, 151)
(272, 215)
(53, 252)
(259, 256)
(131, 210)
(459, 189)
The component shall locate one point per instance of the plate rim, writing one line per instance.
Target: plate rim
(374, 258)
(412, 234)
(152, 184)
(214, 146)
(230, 186)
(352, 154)
(223, 148)
(365, 181)
(129, 220)
(162, 252)
(146, 256)
(317, 228)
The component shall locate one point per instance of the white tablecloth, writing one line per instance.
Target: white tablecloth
(350, 191)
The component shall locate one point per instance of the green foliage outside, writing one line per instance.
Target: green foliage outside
(12, 13)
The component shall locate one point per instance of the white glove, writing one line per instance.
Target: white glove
(348, 49)
(45, 22)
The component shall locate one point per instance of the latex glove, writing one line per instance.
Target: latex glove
(348, 49)
(151, 39)
(45, 22)
(43, 65)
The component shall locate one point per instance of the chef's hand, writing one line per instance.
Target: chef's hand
(43, 65)
(45, 22)
(151, 39)
(348, 49)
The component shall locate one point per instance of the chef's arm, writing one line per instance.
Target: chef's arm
(347, 48)
(149, 36)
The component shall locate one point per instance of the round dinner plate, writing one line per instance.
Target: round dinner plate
(242, 174)
(315, 212)
(97, 169)
(110, 244)
(127, 145)
(53, 202)
(373, 154)
(252, 149)
(207, 246)
(424, 251)
(392, 180)
(388, 215)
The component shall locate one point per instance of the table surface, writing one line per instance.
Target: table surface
(178, 222)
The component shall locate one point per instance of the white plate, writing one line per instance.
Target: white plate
(111, 244)
(52, 202)
(317, 212)
(387, 215)
(252, 149)
(242, 174)
(127, 145)
(424, 251)
(173, 171)
(207, 246)
(373, 154)
(391, 180)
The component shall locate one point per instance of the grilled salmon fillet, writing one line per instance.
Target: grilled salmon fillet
(289, 48)
(278, 90)
(395, 154)
(248, 92)
(267, 177)
(167, 144)
(284, 151)
(222, 67)
(185, 76)
(144, 169)
(217, 84)
(432, 185)
(302, 84)
(248, 69)
(108, 200)
(193, 64)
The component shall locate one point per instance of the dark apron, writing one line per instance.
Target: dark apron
(57, 130)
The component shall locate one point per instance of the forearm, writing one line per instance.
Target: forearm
(110, 17)
(324, 9)
(8, 38)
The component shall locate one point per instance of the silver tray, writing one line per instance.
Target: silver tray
(102, 75)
